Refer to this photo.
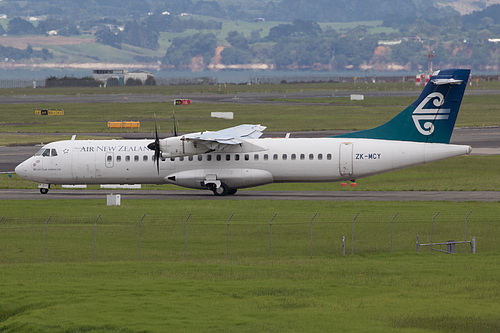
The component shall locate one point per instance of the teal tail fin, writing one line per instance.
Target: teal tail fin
(431, 117)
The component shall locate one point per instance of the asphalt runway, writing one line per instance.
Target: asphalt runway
(56, 194)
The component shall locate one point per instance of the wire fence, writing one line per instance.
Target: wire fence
(193, 237)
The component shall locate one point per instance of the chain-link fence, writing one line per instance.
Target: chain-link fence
(194, 237)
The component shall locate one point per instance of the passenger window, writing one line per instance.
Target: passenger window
(247, 157)
(190, 158)
(328, 156)
(228, 157)
(294, 157)
(302, 156)
(284, 157)
(266, 157)
(237, 157)
(136, 158)
(54, 152)
(127, 158)
(209, 157)
(181, 158)
(256, 157)
(218, 157)
(118, 158)
(311, 156)
(109, 158)
(275, 157)
(145, 158)
(200, 157)
(320, 157)
(172, 159)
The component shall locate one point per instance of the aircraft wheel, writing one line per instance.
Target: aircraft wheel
(44, 190)
(232, 191)
(222, 190)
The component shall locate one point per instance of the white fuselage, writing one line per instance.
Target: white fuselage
(278, 160)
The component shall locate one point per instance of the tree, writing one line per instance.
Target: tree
(183, 49)
(231, 56)
(105, 36)
(18, 26)
(237, 40)
(140, 35)
(133, 82)
(150, 81)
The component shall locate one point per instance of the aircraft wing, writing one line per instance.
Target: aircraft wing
(233, 139)
(229, 136)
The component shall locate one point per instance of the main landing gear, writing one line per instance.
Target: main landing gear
(222, 190)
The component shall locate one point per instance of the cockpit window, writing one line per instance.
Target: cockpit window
(47, 152)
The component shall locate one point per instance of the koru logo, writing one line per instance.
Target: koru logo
(421, 115)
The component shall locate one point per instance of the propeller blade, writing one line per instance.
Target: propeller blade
(175, 125)
(156, 147)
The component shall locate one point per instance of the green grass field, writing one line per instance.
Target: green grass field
(477, 111)
(245, 289)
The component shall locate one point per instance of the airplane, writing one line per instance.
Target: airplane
(230, 159)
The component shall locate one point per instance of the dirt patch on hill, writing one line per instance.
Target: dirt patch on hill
(42, 41)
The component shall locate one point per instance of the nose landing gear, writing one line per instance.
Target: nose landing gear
(44, 188)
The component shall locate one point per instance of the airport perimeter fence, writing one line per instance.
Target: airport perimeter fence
(25, 83)
(103, 238)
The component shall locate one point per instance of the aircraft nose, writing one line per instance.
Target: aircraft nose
(22, 169)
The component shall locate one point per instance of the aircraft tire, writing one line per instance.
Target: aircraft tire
(44, 190)
(221, 191)
(232, 191)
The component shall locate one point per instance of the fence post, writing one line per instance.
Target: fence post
(140, 235)
(352, 240)
(228, 234)
(311, 253)
(465, 239)
(432, 227)
(45, 250)
(95, 234)
(473, 245)
(186, 238)
(271, 234)
(392, 228)
(343, 246)
(418, 244)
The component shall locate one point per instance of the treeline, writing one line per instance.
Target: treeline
(8, 53)
(88, 81)
(304, 45)
(271, 10)
(415, 31)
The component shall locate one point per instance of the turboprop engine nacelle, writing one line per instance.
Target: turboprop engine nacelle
(181, 146)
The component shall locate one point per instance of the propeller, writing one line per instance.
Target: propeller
(156, 147)
(175, 125)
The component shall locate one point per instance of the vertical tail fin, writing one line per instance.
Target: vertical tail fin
(431, 118)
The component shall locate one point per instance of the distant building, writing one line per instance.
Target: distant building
(120, 76)
(389, 42)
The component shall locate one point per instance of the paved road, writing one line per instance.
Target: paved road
(240, 97)
(459, 196)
